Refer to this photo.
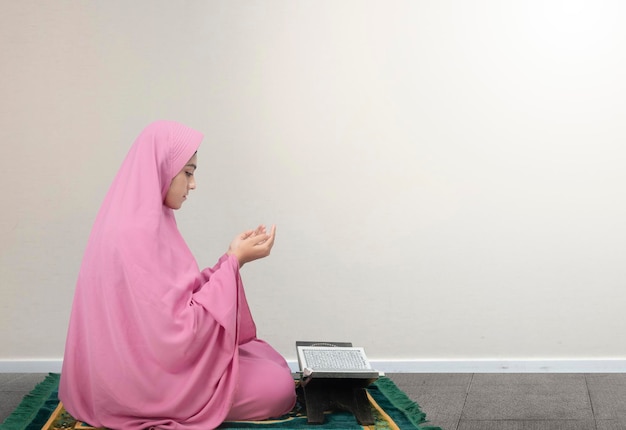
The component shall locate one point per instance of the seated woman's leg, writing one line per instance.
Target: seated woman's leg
(266, 388)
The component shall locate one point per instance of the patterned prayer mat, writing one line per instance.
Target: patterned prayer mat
(391, 408)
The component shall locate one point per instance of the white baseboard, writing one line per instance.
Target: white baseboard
(500, 366)
(30, 366)
(406, 366)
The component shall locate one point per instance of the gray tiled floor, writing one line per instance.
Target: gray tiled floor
(474, 401)
(519, 401)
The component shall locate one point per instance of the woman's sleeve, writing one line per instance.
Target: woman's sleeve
(219, 293)
(206, 273)
(222, 297)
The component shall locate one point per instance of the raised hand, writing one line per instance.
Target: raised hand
(252, 244)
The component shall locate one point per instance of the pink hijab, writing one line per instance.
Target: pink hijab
(152, 340)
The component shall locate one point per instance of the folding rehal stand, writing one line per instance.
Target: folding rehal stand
(322, 394)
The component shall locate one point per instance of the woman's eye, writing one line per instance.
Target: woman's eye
(189, 175)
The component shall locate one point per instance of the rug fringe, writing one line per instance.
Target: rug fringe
(31, 403)
(401, 401)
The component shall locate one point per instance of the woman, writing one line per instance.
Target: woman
(153, 341)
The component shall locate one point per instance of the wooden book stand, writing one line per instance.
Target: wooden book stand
(348, 394)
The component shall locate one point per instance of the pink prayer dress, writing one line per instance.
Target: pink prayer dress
(153, 341)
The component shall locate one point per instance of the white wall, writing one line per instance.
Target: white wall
(447, 177)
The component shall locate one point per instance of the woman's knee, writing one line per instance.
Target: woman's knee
(268, 392)
(283, 393)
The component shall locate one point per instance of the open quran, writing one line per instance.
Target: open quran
(334, 360)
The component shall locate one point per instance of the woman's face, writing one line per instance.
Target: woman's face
(181, 184)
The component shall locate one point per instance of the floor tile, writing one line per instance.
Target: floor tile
(527, 397)
(527, 425)
(5, 378)
(610, 425)
(444, 424)
(432, 379)
(546, 380)
(441, 396)
(441, 405)
(608, 395)
(21, 381)
(604, 378)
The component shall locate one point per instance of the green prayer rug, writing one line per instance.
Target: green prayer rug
(391, 408)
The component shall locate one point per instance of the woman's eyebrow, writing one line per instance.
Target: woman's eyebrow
(192, 165)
